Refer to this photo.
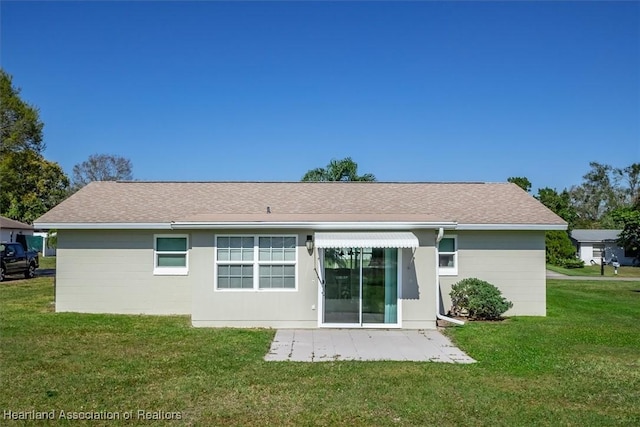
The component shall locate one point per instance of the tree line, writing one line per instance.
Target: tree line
(607, 198)
(31, 184)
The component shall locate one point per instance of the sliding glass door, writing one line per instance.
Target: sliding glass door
(361, 286)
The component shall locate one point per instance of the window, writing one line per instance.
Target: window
(256, 262)
(277, 262)
(448, 256)
(171, 255)
(235, 262)
(598, 251)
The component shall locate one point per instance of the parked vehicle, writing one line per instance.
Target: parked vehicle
(14, 259)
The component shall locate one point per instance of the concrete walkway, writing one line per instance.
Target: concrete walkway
(325, 345)
(560, 276)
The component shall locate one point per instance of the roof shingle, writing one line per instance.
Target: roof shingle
(165, 202)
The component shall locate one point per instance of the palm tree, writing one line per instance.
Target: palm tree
(338, 170)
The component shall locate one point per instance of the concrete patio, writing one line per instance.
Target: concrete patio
(326, 345)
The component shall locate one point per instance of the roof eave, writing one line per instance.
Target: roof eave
(329, 225)
(316, 225)
(513, 227)
(103, 225)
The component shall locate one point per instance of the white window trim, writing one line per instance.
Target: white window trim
(256, 263)
(449, 271)
(170, 271)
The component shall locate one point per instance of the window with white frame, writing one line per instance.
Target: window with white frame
(256, 262)
(171, 253)
(448, 256)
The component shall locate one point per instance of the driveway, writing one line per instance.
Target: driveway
(326, 345)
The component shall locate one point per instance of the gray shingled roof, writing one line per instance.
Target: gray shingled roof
(165, 202)
(13, 224)
(594, 235)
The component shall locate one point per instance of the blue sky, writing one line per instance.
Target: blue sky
(412, 91)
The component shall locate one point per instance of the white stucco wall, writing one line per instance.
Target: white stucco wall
(514, 261)
(9, 234)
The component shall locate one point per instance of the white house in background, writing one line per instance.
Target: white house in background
(297, 254)
(44, 248)
(593, 245)
(10, 229)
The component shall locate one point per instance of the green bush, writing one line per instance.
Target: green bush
(572, 263)
(477, 299)
(559, 247)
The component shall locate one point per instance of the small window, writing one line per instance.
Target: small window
(171, 255)
(448, 256)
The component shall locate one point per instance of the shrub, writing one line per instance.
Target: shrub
(559, 247)
(478, 299)
(571, 263)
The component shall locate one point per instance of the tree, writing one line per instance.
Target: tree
(630, 175)
(559, 249)
(31, 185)
(597, 197)
(338, 170)
(102, 167)
(20, 125)
(521, 181)
(629, 237)
(559, 203)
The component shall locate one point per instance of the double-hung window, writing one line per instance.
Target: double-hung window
(256, 262)
(235, 262)
(448, 256)
(171, 254)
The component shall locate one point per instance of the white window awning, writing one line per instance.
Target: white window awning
(366, 240)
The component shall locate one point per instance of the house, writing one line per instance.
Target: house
(594, 245)
(10, 229)
(297, 254)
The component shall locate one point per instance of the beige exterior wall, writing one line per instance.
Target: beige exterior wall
(301, 308)
(252, 308)
(418, 283)
(112, 272)
(514, 261)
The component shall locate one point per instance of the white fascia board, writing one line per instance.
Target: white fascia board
(512, 227)
(354, 225)
(103, 226)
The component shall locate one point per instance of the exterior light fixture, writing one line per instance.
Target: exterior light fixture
(309, 244)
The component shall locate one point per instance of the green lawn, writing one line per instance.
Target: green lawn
(47, 262)
(594, 270)
(578, 366)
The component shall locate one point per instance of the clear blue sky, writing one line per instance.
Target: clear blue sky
(412, 91)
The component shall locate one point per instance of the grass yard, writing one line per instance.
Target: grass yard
(578, 366)
(594, 270)
(47, 262)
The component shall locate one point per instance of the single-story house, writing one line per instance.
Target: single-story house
(10, 229)
(297, 254)
(593, 245)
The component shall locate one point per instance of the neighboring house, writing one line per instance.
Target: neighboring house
(10, 229)
(297, 254)
(593, 245)
(44, 247)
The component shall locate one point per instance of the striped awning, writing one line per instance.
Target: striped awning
(404, 239)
